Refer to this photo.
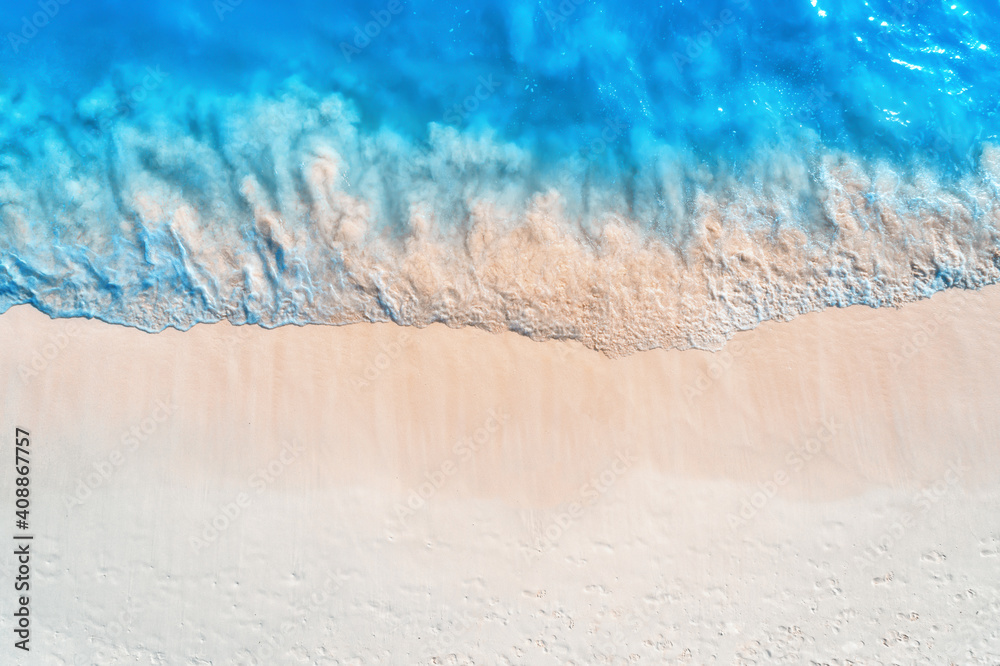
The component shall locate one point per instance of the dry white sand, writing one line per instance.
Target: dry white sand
(826, 489)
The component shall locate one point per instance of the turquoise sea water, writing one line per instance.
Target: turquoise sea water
(628, 174)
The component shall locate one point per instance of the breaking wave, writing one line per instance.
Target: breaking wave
(653, 191)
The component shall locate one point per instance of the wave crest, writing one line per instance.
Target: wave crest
(288, 210)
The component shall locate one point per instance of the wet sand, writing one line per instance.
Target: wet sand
(672, 505)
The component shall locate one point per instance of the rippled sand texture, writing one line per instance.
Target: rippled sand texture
(823, 489)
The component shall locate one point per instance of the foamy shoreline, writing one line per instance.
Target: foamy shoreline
(807, 491)
(351, 224)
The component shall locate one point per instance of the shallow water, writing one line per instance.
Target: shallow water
(627, 175)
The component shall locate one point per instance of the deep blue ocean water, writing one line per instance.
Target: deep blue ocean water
(628, 174)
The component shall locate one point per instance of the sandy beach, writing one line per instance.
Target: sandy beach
(552, 333)
(822, 489)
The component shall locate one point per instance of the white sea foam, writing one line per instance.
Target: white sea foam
(288, 209)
